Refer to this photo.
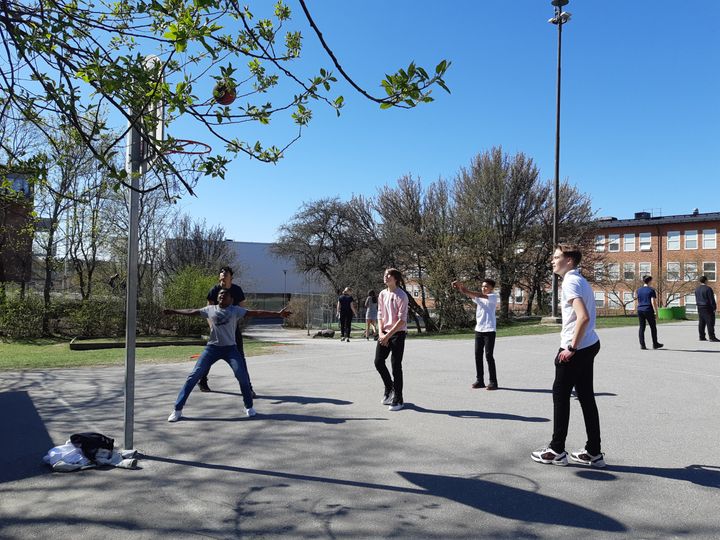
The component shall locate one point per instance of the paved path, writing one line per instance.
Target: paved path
(323, 459)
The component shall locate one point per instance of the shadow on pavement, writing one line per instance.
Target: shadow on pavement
(491, 497)
(476, 414)
(702, 475)
(549, 391)
(24, 438)
(276, 417)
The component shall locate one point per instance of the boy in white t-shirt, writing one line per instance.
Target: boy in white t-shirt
(485, 327)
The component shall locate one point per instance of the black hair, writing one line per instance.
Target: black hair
(647, 279)
(372, 294)
(703, 279)
(226, 269)
(489, 281)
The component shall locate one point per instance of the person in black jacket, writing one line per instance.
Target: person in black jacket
(706, 306)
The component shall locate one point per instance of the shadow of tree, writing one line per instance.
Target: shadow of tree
(281, 417)
(491, 497)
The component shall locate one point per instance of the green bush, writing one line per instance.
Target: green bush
(98, 317)
(21, 318)
(188, 288)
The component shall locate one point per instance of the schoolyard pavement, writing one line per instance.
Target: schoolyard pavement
(324, 459)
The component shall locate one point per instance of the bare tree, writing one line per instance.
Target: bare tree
(195, 244)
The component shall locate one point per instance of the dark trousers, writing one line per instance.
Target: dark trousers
(395, 349)
(345, 324)
(578, 372)
(706, 317)
(485, 341)
(649, 318)
(239, 345)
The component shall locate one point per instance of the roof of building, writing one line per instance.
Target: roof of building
(643, 219)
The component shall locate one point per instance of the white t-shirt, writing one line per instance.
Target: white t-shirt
(485, 313)
(223, 322)
(576, 286)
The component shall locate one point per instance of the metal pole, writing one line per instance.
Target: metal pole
(556, 191)
(132, 287)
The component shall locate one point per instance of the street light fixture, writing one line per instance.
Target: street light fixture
(559, 19)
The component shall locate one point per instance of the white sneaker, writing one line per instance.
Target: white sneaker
(387, 399)
(585, 458)
(395, 406)
(175, 416)
(549, 456)
(250, 411)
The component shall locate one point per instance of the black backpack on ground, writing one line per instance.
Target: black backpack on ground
(89, 443)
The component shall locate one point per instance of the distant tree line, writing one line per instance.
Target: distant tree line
(494, 218)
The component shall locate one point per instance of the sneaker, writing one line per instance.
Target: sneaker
(347, 339)
(478, 384)
(658, 346)
(342, 338)
(714, 339)
(581, 456)
(549, 456)
(395, 406)
(643, 348)
(250, 411)
(203, 386)
(492, 386)
(175, 416)
(387, 398)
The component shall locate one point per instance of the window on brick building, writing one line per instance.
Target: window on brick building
(691, 240)
(518, 296)
(710, 271)
(628, 271)
(673, 240)
(613, 271)
(645, 241)
(629, 300)
(629, 242)
(614, 242)
(599, 271)
(691, 271)
(614, 300)
(690, 304)
(600, 243)
(599, 299)
(645, 269)
(672, 300)
(709, 239)
(673, 271)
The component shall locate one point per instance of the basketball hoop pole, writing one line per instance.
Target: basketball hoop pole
(133, 160)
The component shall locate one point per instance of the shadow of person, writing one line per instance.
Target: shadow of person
(476, 414)
(303, 418)
(702, 475)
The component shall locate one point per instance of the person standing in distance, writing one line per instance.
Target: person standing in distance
(225, 279)
(485, 328)
(579, 344)
(392, 327)
(371, 307)
(345, 312)
(646, 310)
(706, 306)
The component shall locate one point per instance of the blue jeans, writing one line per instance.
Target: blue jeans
(210, 355)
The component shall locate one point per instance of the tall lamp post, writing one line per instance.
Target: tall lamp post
(285, 288)
(559, 19)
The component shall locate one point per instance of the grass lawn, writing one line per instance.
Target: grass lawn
(54, 353)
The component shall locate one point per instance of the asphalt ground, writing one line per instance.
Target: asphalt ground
(324, 459)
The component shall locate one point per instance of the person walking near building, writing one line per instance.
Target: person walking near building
(579, 344)
(223, 319)
(392, 327)
(706, 306)
(225, 281)
(485, 330)
(345, 312)
(371, 309)
(646, 311)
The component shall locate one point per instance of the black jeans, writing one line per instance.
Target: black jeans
(578, 372)
(345, 324)
(706, 317)
(396, 347)
(649, 318)
(486, 341)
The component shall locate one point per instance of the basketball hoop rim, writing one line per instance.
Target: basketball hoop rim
(206, 148)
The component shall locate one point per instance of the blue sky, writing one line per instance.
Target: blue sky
(640, 121)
